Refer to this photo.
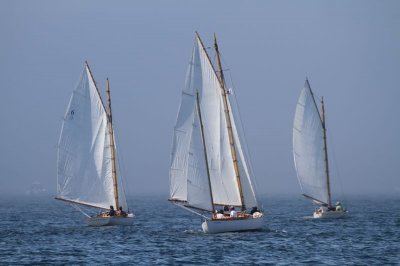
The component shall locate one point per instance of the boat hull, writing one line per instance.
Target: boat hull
(110, 220)
(232, 225)
(329, 214)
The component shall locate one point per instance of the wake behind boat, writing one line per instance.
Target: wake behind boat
(310, 153)
(209, 169)
(87, 175)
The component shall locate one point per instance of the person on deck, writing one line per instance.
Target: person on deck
(234, 213)
(226, 210)
(112, 211)
(219, 214)
(120, 212)
(339, 206)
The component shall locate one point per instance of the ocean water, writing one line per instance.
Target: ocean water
(40, 230)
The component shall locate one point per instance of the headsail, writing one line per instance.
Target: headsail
(84, 173)
(183, 131)
(308, 147)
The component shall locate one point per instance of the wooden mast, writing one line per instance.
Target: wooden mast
(229, 124)
(326, 154)
(112, 146)
(205, 152)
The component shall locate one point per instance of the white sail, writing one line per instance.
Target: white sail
(222, 173)
(198, 184)
(250, 199)
(188, 176)
(183, 131)
(308, 147)
(84, 152)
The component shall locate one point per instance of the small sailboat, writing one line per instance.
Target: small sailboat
(310, 153)
(87, 172)
(209, 169)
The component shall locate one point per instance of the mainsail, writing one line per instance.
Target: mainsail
(309, 148)
(188, 174)
(84, 167)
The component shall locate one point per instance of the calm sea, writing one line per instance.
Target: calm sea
(40, 230)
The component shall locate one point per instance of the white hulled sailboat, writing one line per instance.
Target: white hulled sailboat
(86, 167)
(311, 154)
(208, 167)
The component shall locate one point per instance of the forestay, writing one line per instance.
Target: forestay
(84, 152)
(308, 147)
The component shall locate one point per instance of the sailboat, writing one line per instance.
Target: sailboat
(310, 153)
(209, 170)
(87, 172)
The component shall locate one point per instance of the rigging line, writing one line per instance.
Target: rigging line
(242, 129)
(79, 209)
(224, 69)
(204, 147)
(245, 142)
(121, 165)
(221, 181)
(332, 149)
(224, 61)
(186, 208)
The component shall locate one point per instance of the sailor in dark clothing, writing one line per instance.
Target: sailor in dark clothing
(226, 210)
(112, 211)
(120, 212)
(254, 210)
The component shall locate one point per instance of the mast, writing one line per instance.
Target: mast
(112, 146)
(205, 152)
(322, 117)
(229, 124)
(326, 154)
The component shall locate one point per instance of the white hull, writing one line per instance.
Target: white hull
(329, 214)
(234, 225)
(110, 220)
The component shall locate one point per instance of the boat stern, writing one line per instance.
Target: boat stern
(329, 214)
(232, 225)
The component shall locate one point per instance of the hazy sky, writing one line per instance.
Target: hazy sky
(350, 51)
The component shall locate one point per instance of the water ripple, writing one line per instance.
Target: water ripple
(44, 231)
